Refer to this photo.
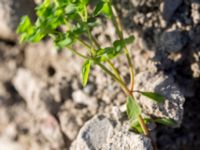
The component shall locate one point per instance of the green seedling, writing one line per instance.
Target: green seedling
(80, 18)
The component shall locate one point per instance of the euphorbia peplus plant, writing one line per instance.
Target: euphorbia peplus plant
(79, 21)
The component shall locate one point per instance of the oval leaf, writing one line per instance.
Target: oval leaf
(153, 96)
(166, 121)
(132, 108)
(85, 71)
(98, 8)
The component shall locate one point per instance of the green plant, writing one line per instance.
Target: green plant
(80, 20)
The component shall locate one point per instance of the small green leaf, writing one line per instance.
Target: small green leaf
(107, 53)
(153, 96)
(85, 71)
(71, 8)
(129, 40)
(136, 125)
(98, 8)
(63, 43)
(132, 108)
(166, 121)
(106, 10)
(24, 24)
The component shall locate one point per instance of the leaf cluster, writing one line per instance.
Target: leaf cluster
(78, 20)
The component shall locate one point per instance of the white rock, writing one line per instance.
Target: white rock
(29, 88)
(102, 133)
(7, 144)
(164, 85)
(35, 92)
(82, 98)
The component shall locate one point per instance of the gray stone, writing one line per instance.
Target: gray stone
(34, 92)
(11, 12)
(169, 7)
(172, 41)
(166, 86)
(103, 133)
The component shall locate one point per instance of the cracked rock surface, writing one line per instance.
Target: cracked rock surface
(165, 85)
(103, 133)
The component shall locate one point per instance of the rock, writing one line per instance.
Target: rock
(38, 58)
(11, 12)
(172, 41)
(81, 98)
(169, 7)
(195, 12)
(6, 143)
(34, 92)
(166, 86)
(103, 133)
(71, 119)
(50, 128)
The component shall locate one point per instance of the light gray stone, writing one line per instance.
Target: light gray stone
(11, 12)
(166, 86)
(29, 88)
(35, 93)
(103, 133)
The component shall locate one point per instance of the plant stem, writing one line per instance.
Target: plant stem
(114, 69)
(77, 53)
(119, 29)
(95, 42)
(84, 43)
(143, 125)
(121, 83)
(118, 26)
(109, 62)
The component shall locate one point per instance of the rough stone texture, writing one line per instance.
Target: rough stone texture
(6, 143)
(72, 117)
(172, 41)
(102, 133)
(9, 60)
(166, 86)
(169, 7)
(82, 98)
(29, 88)
(195, 12)
(34, 92)
(11, 12)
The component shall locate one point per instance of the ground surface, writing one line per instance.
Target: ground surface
(50, 108)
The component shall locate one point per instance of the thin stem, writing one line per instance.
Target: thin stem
(77, 53)
(143, 125)
(84, 43)
(130, 69)
(118, 26)
(90, 37)
(119, 29)
(121, 83)
(95, 42)
(114, 70)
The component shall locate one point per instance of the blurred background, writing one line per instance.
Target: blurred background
(42, 101)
